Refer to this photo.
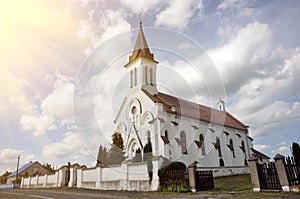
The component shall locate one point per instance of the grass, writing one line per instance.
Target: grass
(240, 187)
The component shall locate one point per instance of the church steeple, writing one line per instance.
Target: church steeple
(141, 65)
(141, 48)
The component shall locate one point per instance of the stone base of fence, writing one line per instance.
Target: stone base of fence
(227, 171)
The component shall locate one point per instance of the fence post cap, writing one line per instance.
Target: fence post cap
(192, 165)
(278, 157)
(253, 158)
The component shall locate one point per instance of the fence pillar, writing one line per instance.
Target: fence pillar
(22, 183)
(192, 176)
(124, 178)
(57, 177)
(37, 181)
(29, 181)
(98, 178)
(72, 177)
(253, 161)
(79, 177)
(283, 178)
(156, 165)
(46, 179)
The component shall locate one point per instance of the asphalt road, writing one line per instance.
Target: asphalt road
(31, 194)
(88, 194)
(64, 193)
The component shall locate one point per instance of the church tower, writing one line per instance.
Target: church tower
(142, 66)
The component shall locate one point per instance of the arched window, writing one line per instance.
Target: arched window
(183, 143)
(201, 139)
(218, 146)
(231, 147)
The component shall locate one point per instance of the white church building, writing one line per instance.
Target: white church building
(178, 130)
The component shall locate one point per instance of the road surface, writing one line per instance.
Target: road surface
(89, 194)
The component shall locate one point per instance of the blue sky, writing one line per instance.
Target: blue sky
(45, 45)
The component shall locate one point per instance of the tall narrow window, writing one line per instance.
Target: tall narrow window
(151, 77)
(146, 74)
(131, 79)
(231, 147)
(135, 77)
(201, 139)
(243, 146)
(183, 142)
(244, 151)
(218, 146)
(148, 135)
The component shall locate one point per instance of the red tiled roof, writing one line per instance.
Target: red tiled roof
(196, 111)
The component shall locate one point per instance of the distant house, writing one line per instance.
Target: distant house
(29, 169)
(261, 157)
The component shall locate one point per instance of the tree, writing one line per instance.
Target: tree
(138, 156)
(48, 166)
(296, 152)
(4, 177)
(148, 151)
(116, 152)
(102, 155)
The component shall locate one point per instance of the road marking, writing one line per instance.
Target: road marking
(20, 194)
(44, 197)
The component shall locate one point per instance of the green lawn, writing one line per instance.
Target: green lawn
(240, 187)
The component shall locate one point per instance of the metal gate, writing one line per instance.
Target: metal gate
(67, 177)
(268, 176)
(204, 180)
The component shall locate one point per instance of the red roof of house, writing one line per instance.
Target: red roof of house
(196, 111)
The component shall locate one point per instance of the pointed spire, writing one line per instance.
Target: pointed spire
(141, 48)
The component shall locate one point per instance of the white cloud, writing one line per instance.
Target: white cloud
(56, 108)
(273, 118)
(178, 13)
(240, 7)
(260, 147)
(69, 146)
(282, 149)
(72, 149)
(141, 5)
(282, 143)
(114, 23)
(268, 103)
(92, 33)
(241, 58)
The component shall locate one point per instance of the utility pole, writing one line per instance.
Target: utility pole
(17, 169)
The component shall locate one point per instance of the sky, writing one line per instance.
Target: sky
(62, 78)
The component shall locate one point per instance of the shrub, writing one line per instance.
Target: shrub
(172, 185)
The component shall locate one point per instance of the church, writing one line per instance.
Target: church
(176, 129)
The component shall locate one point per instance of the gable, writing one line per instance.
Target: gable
(23, 168)
(193, 110)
